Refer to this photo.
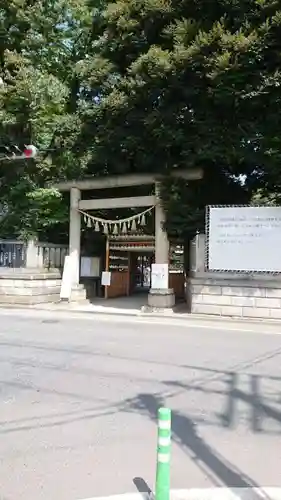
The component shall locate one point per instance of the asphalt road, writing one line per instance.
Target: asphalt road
(79, 398)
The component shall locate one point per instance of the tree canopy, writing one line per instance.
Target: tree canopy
(140, 86)
(41, 41)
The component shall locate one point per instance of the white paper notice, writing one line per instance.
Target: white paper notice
(105, 278)
(90, 267)
(245, 239)
(85, 270)
(160, 276)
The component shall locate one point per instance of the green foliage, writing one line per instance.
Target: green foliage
(185, 203)
(181, 84)
(140, 86)
(263, 198)
(41, 42)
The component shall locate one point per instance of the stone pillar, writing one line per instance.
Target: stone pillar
(161, 298)
(197, 254)
(162, 246)
(75, 235)
(40, 257)
(31, 255)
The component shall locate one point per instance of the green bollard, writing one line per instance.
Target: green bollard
(162, 487)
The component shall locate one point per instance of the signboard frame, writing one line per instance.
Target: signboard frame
(90, 266)
(210, 268)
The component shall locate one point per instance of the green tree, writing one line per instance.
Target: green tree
(183, 83)
(40, 44)
(139, 86)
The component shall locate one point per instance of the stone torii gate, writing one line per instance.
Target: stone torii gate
(163, 298)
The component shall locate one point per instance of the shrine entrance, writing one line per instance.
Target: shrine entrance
(142, 272)
(129, 261)
(130, 253)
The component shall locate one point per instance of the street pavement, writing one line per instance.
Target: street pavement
(79, 396)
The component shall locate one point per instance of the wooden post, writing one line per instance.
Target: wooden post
(106, 264)
(129, 275)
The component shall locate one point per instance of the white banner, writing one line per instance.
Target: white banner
(244, 239)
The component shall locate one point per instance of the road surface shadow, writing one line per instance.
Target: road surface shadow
(254, 398)
(259, 402)
(184, 433)
(143, 488)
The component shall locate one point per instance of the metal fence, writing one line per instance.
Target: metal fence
(51, 255)
(12, 254)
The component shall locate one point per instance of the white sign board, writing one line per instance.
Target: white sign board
(85, 268)
(244, 239)
(160, 276)
(90, 267)
(105, 278)
(66, 282)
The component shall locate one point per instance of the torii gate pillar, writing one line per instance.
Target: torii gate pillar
(164, 298)
(74, 235)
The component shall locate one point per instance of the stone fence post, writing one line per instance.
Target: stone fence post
(197, 254)
(32, 260)
(40, 255)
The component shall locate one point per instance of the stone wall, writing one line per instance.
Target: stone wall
(241, 297)
(29, 287)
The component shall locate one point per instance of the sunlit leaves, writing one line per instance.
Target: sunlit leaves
(40, 45)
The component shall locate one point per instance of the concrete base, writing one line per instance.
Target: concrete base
(161, 299)
(78, 294)
(29, 286)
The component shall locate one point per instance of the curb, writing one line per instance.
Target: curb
(174, 315)
(266, 493)
(182, 317)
